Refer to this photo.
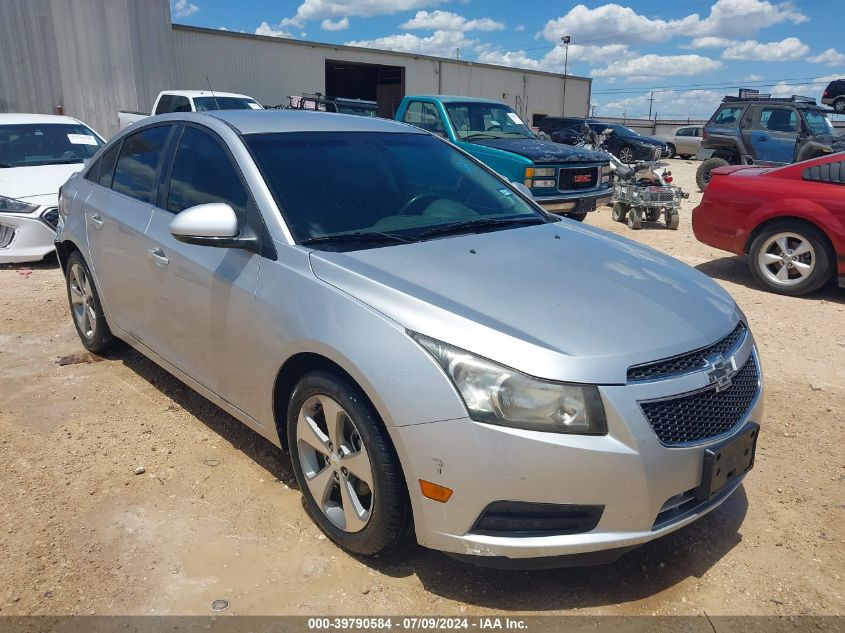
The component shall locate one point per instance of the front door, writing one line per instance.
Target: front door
(117, 215)
(204, 296)
(774, 134)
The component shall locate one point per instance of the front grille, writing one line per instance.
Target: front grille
(706, 413)
(657, 195)
(7, 234)
(577, 178)
(689, 361)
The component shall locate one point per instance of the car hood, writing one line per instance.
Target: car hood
(561, 301)
(645, 140)
(39, 180)
(544, 151)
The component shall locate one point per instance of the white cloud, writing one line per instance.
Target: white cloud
(788, 49)
(831, 57)
(266, 29)
(727, 18)
(753, 78)
(183, 8)
(440, 43)
(448, 21)
(519, 28)
(333, 9)
(337, 25)
(709, 41)
(650, 67)
(669, 103)
(555, 59)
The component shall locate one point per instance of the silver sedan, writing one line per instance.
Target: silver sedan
(439, 355)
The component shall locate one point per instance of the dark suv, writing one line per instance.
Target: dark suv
(755, 129)
(624, 143)
(834, 95)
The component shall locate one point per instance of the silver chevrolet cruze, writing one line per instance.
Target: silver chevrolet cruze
(439, 355)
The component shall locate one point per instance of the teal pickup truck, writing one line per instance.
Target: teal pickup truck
(563, 179)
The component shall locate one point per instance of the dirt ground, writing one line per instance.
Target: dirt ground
(216, 514)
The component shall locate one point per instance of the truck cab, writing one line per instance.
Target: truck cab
(191, 101)
(564, 180)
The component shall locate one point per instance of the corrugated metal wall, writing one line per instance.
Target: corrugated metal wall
(93, 57)
(270, 69)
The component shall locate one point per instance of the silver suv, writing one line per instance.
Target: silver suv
(436, 352)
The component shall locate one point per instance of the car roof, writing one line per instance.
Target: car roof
(204, 93)
(20, 118)
(269, 121)
(456, 99)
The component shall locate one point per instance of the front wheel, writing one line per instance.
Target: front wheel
(839, 105)
(619, 213)
(790, 258)
(702, 175)
(626, 154)
(635, 218)
(85, 306)
(348, 472)
(671, 152)
(672, 220)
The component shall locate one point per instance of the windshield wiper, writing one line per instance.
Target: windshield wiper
(467, 226)
(359, 236)
(478, 135)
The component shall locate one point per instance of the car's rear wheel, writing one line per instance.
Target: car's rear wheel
(791, 258)
(85, 306)
(839, 105)
(626, 154)
(348, 472)
(702, 175)
(671, 152)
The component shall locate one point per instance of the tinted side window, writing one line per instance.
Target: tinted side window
(164, 104)
(779, 119)
(140, 153)
(107, 163)
(727, 116)
(180, 104)
(685, 131)
(203, 172)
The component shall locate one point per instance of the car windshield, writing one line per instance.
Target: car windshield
(819, 123)
(204, 104)
(371, 186)
(486, 120)
(46, 144)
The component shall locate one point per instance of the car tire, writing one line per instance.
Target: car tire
(811, 268)
(626, 154)
(578, 217)
(839, 105)
(702, 175)
(350, 477)
(85, 306)
(671, 152)
(619, 213)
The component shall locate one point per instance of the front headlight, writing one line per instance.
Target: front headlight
(10, 205)
(498, 395)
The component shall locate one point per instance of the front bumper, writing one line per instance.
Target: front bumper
(629, 472)
(25, 237)
(575, 202)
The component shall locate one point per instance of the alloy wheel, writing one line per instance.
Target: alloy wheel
(82, 301)
(626, 155)
(786, 259)
(335, 463)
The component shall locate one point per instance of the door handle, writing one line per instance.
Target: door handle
(158, 256)
(97, 221)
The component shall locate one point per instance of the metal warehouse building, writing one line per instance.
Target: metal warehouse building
(92, 58)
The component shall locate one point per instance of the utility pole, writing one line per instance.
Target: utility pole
(565, 39)
(650, 103)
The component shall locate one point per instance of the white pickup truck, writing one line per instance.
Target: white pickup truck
(190, 101)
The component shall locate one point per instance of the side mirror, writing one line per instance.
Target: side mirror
(525, 191)
(213, 224)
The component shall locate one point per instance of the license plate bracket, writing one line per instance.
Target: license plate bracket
(727, 460)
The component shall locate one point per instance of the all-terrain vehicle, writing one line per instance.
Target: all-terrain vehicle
(758, 129)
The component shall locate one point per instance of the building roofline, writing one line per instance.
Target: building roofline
(360, 49)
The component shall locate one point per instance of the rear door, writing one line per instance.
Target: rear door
(117, 215)
(775, 134)
(203, 296)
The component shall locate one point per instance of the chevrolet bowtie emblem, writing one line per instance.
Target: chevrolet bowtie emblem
(721, 371)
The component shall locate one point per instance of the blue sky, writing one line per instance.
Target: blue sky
(691, 52)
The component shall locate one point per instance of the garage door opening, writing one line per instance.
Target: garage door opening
(372, 82)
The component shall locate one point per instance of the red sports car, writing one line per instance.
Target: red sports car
(790, 221)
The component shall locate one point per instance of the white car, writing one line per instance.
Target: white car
(38, 153)
(683, 142)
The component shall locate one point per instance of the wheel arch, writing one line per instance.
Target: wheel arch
(63, 251)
